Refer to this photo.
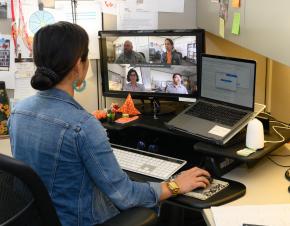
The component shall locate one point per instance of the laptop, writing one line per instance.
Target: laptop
(226, 100)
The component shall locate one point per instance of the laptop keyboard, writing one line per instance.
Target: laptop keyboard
(218, 114)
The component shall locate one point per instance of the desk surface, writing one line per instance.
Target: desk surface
(265, 183)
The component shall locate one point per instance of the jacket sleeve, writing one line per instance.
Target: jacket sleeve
(96, 153)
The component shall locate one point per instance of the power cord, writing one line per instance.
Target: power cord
(285, 126)
(276, 163)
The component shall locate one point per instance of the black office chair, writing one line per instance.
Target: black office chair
(25, 201)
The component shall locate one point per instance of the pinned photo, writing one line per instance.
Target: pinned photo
(3, 9)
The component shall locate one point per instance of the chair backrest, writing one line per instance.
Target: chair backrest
(24, 199)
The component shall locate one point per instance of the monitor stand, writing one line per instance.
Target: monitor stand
(154, 108)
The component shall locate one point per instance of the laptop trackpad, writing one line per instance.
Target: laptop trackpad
(219, 131)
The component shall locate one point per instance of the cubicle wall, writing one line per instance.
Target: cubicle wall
(264, 29)
(265, 35)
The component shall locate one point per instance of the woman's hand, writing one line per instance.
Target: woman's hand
(187, 181)
(192, 179)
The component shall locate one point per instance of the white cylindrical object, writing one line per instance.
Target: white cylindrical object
(255, 135)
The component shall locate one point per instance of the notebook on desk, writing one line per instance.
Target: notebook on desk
(226, 100)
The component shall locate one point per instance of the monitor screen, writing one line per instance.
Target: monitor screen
(159, 63)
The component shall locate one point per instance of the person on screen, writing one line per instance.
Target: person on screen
(133, 79)
(129, 56)
(171, 56)
(176, 86)
(68, 147)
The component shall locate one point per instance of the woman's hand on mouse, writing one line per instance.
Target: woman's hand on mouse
(192, 179)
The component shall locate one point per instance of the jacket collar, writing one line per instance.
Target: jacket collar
(60, 95)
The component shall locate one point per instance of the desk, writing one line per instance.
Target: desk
(265, 183)
(180, 145)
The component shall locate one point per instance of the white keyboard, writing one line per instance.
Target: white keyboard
(147, 163)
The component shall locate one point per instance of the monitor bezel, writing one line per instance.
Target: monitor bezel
(200, 42)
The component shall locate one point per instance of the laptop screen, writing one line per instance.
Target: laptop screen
(229, 80)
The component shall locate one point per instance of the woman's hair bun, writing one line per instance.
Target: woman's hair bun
(44, 78)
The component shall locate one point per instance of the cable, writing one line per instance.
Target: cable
(278, 164)
(282, 123)
(274, 155)
(277, 141)
(74, 11)
(273, 119)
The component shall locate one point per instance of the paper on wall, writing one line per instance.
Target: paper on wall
(236, 3)
(7, 61)
(23, 88)
(223, 10)
(109, 6)
(146, 5)
(5, 10)
(236, 23)
(222, 27)
(176, 6)
(128, 19)
(24, 69)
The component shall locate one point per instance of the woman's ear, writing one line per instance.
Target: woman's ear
(78, 67)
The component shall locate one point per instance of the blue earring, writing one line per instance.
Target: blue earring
(81, 87)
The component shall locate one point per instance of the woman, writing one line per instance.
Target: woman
(171, 56)
(68, 147)
(133, 78)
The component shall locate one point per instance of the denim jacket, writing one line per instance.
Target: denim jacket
(70, 151)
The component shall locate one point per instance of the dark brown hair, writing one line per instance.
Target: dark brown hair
(129, 73)
(56, 49)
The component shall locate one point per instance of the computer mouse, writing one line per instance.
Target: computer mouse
(287, 174)
(210, 179)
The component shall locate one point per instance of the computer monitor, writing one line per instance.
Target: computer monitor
(160, 64)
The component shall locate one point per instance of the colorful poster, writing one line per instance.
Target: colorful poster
(7, 61)
(21, 30)
(5, 47)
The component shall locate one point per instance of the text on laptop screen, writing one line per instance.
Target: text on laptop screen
(227, 80)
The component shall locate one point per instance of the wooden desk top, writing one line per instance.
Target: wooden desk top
(265, 182)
